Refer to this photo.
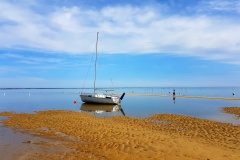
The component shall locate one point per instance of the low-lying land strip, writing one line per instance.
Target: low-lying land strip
(184, 96)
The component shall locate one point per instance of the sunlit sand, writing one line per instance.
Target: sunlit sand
(163, 136)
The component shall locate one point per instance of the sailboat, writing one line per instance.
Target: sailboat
(100, 98)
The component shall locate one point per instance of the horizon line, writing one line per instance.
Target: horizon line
(5, 88)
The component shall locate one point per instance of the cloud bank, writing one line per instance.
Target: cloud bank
(208, 29)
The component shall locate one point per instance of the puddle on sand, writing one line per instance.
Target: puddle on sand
(19, 145)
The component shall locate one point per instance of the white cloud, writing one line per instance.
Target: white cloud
(123, 29)
(222, 5)
(36, 81)
(30, 59)
(7, 69)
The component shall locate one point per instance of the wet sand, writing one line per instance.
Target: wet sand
(22, 145)
(163, 136)
(232, 110)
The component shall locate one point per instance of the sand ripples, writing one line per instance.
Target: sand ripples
(162, 136)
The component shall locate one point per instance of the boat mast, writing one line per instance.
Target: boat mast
(95, 65)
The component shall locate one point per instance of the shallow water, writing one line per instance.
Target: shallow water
(31, 100)
(22, 145)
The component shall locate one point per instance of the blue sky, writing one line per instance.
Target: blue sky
(159, 43)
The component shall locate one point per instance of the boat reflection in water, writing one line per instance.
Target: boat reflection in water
(102, 110)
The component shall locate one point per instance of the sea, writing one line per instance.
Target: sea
(139, 102)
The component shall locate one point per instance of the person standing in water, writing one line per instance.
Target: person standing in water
(174, 92)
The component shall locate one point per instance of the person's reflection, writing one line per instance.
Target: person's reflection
(174, 96)
(174, 99)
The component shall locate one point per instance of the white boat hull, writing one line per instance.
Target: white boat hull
(102, 99)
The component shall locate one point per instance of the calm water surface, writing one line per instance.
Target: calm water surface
(31, 100)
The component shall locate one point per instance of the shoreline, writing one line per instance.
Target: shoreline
(162, 136)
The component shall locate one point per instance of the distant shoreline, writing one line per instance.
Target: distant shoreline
(6, 88)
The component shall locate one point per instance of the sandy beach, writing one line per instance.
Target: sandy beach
(58, 134)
